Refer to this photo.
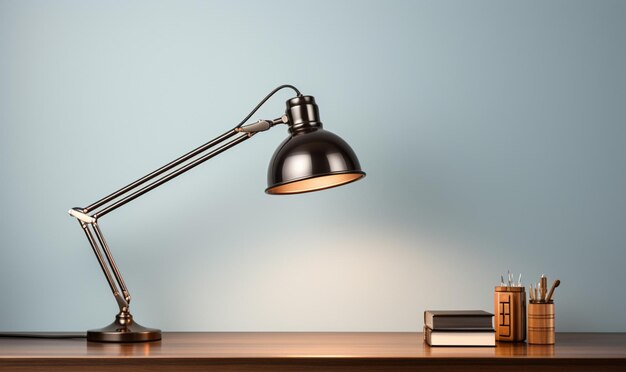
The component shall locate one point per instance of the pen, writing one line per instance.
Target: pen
(537, 292)
(532, 297)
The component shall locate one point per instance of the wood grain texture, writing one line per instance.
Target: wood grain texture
(310, 352)
(541, 323)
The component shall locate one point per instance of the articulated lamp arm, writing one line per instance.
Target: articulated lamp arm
(250, 130)
(310, 159)
(89, 216)
(89, 221)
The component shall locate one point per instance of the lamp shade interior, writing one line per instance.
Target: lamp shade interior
(315, 183)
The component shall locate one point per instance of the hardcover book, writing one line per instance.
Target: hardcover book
(458, 320)
(459, 338)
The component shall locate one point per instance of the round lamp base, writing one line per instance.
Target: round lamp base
(127, 332)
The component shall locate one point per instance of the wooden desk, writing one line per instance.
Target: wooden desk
(311, 351)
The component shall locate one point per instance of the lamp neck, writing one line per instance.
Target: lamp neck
(303, 115)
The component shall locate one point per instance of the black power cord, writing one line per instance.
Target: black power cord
(50, 335)
(265, 99)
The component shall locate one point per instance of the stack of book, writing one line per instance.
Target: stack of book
(459, 328)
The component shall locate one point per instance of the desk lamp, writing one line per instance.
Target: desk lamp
(310, 159)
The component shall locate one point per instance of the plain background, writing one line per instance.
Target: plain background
(493, 134)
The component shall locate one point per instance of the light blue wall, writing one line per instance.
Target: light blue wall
(493, 134)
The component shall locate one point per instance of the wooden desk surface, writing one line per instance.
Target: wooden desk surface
(310, 351)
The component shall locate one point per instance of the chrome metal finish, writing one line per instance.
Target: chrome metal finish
(124, 329)
(170, 176)
(160, 171)
(121, 301)
(310, 153)
(109, 257)
(303, 114)
(281, 120)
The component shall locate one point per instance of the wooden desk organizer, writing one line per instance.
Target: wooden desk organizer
(541, 323)
(510, 313)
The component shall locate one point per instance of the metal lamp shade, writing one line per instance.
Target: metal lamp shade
(311, 161)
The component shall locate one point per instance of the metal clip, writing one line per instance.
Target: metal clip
(259, 126)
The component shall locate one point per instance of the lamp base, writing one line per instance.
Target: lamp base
(124, 329)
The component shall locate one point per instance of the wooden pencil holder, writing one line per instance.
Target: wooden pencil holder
(510, 313)
(541, 323)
